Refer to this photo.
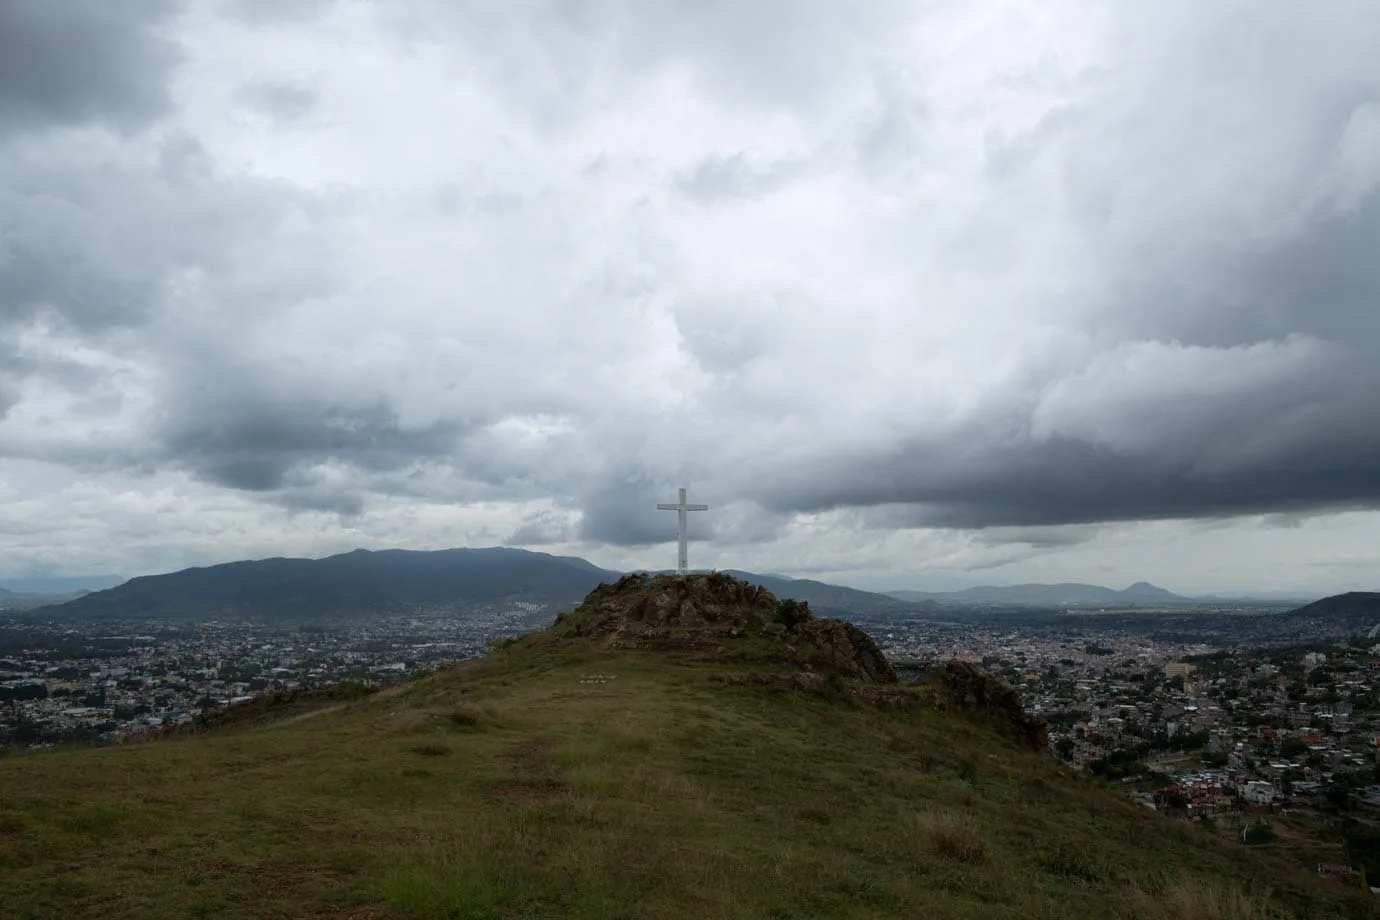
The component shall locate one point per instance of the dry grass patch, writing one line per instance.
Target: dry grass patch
(472, 716)
(952, 837)
(1199, 900)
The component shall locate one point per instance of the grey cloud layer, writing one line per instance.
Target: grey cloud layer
(1198, 228)
(73, 61)
(282, 102)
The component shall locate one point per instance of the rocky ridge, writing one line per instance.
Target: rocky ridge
(703, 611)
(966, 688)
(718, 614)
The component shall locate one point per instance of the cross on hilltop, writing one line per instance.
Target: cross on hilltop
(683, 563)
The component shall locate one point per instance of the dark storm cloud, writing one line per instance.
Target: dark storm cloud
(1308, 442)
(312, 496)
(171, 269)
(245, 438)
(168, 270)
(1324, 283)
(541, 529)
(1309, 271)
(1070, 482)
(96, 245)
(50, 270)
(66, 62)
(623, 512)
(1237, 305)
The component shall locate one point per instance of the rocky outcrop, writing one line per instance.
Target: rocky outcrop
(976, 691)
(709, 610)
(844, 645)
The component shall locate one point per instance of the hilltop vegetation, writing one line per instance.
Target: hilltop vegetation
(673, 748)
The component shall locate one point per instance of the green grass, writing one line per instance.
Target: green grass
(507, 789)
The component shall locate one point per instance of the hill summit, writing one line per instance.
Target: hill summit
(705, 611)
(727, 620)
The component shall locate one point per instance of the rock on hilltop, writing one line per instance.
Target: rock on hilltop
(703, 611)
(972, 690)
(721, 615)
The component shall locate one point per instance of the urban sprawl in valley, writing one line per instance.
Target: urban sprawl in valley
(1274, 732)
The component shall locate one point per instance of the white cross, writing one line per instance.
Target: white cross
(683, 564)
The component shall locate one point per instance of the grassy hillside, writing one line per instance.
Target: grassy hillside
(557, 779)
(1358, 609)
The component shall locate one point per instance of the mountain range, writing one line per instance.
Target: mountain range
(361, 582)
(375, 582)
(371, 582)
(1360, 610)
(1037, 595)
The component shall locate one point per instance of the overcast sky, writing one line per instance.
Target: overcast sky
(911, 294)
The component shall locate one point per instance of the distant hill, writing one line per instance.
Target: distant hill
(366, 582)
(1038, 595)
(362, 582)
(1147, 591)
(1358, 610)
(833, 600)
